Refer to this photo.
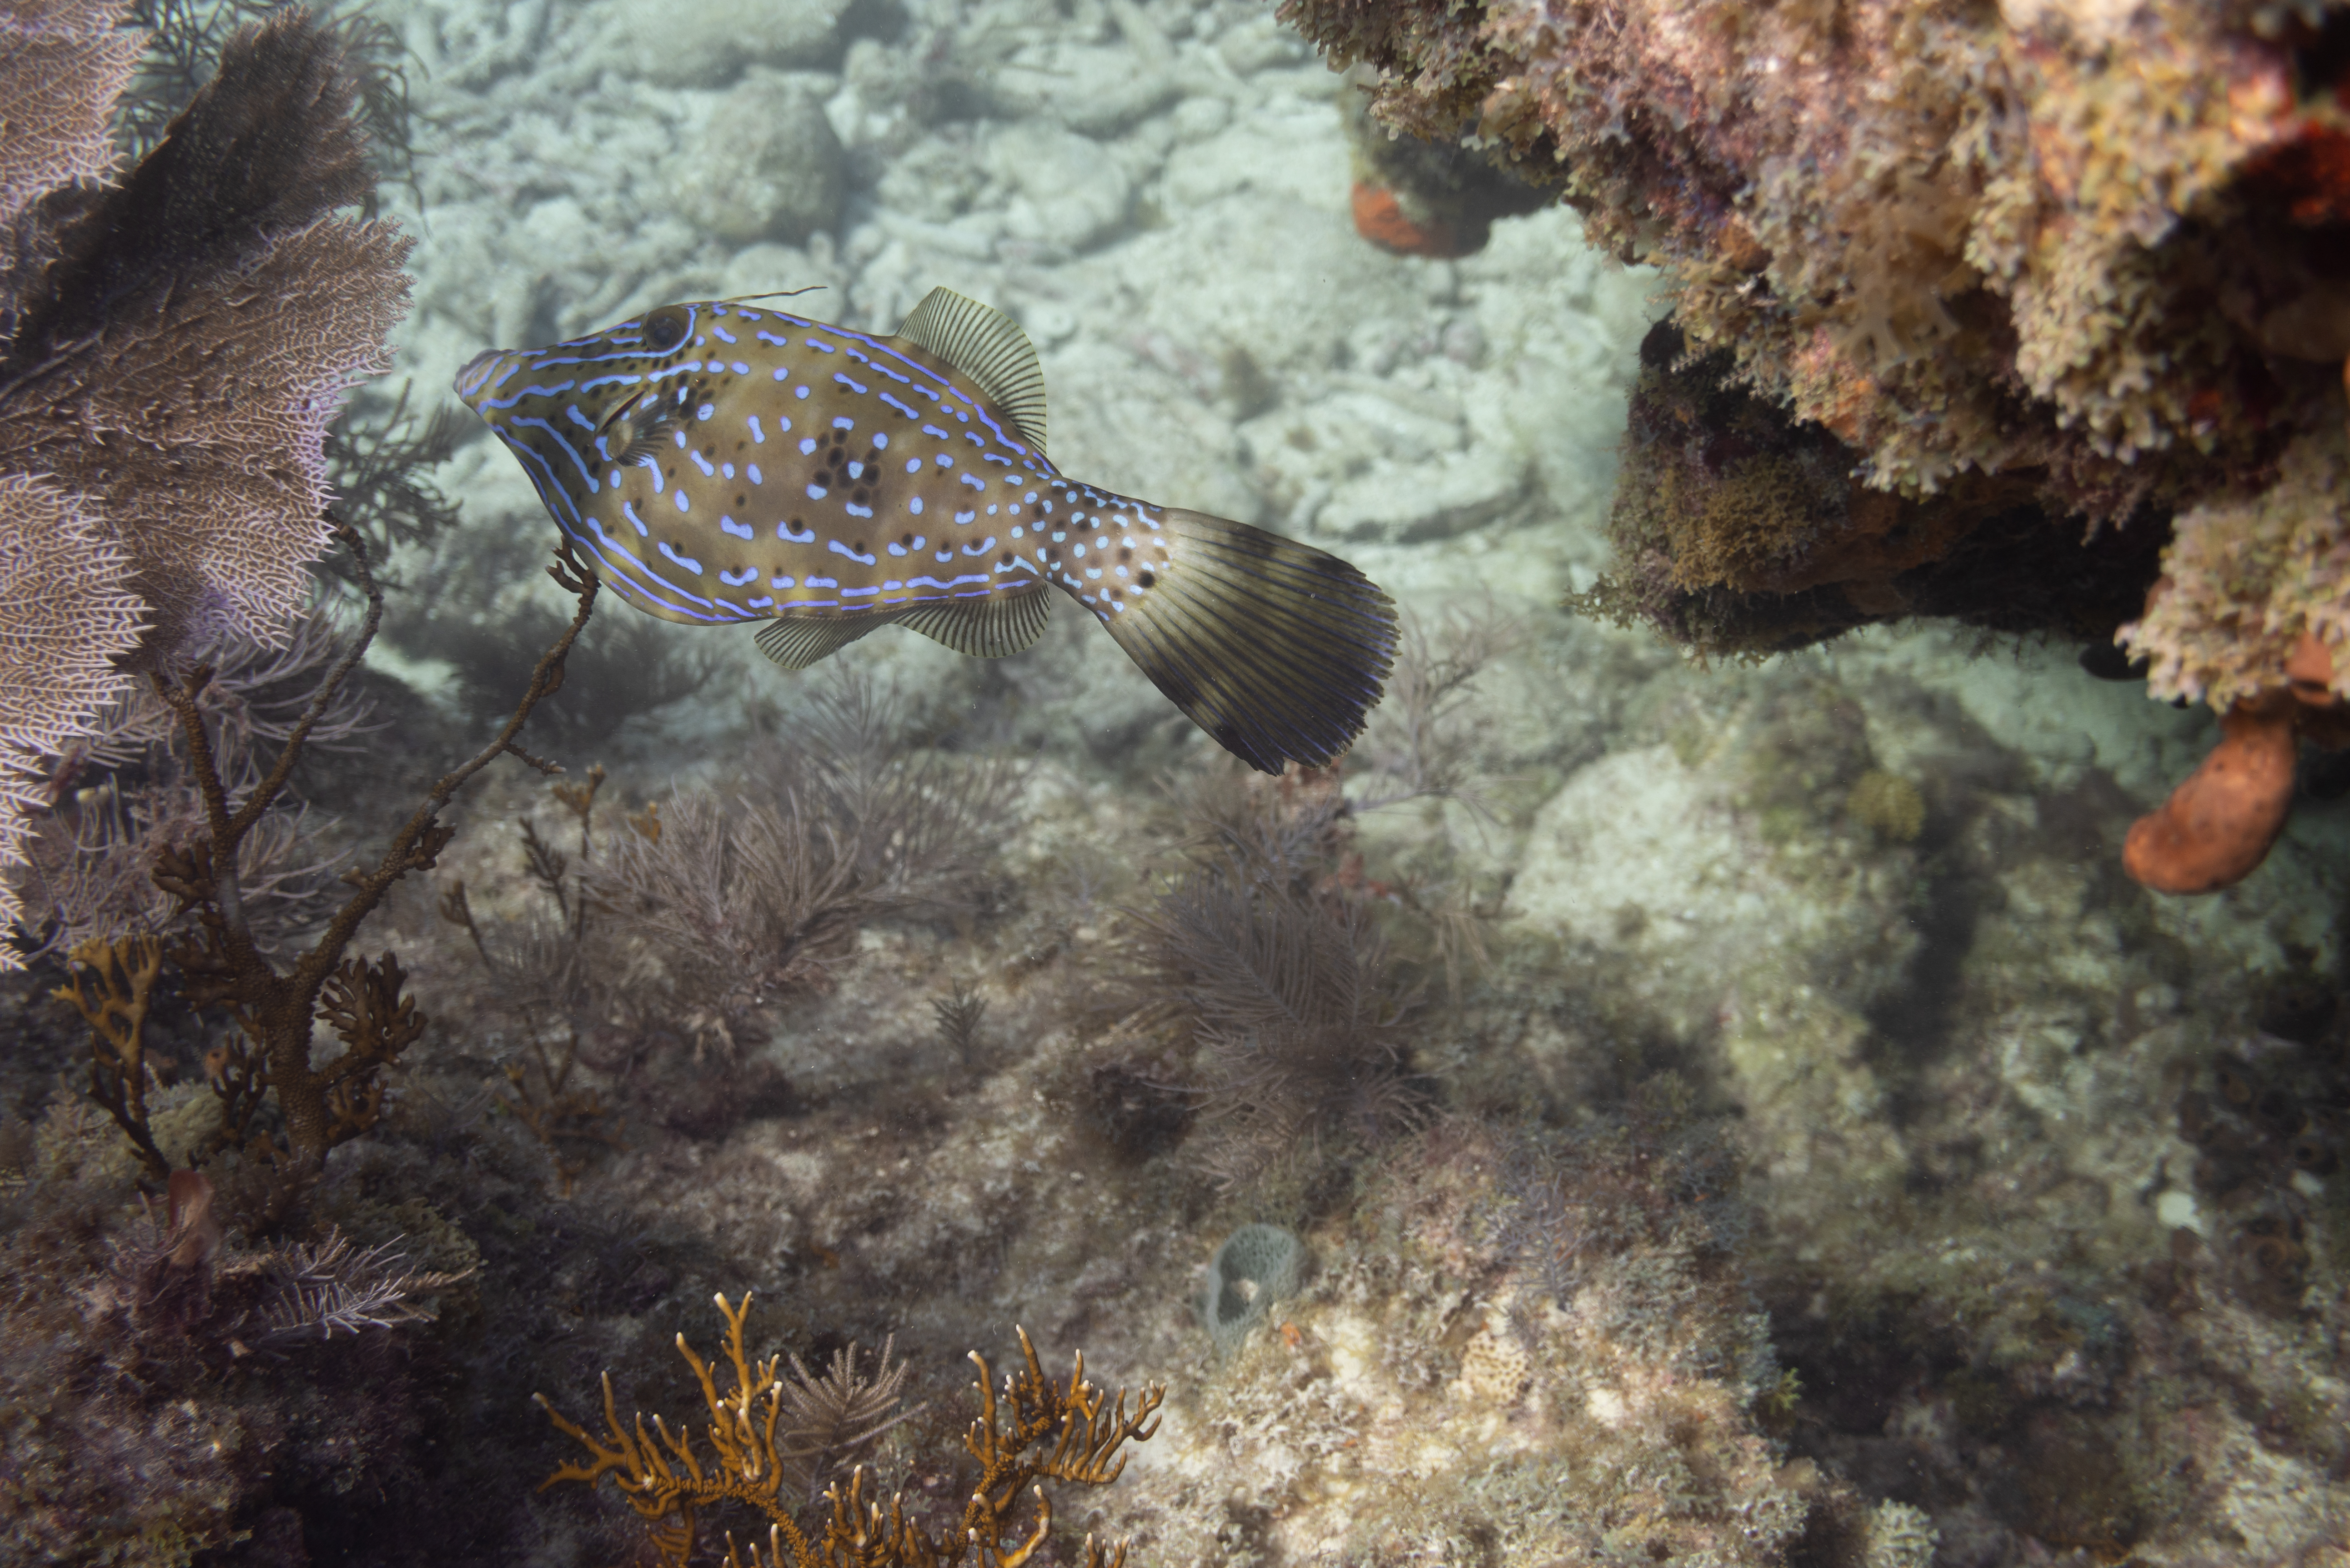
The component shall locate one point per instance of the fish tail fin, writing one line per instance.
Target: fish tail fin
(1274, 647)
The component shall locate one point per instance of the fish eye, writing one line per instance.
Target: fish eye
(666, 328)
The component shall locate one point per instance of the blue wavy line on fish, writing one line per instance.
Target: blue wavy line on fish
(718, 461)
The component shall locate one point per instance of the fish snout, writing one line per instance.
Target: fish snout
(479, 374)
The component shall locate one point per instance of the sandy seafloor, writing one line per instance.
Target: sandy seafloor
(1951, 1056)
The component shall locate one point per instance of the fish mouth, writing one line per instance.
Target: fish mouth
(474, 379)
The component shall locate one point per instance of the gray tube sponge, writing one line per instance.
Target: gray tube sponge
(1256, 1266)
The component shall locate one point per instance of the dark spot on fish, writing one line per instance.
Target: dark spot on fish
(1007, 561)
(1147, 578)
(741, 500)
(1126, 555)
(905, 539)
(863, 496)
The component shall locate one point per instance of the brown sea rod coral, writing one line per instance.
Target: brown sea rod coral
(122, 793)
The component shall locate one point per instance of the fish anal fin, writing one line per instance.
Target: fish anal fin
(987, 346)
(794, 642)
(988, 627)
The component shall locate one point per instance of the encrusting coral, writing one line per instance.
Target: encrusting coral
(1032, 1430)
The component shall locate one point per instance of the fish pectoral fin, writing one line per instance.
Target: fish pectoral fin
(987, 346)
(986, 627)
(795, 642)
(620, 410)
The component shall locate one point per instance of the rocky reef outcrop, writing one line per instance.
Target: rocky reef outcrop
(1962, 293)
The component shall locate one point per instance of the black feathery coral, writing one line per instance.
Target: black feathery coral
(767, 896)
(831, 1421)
(1291, 996)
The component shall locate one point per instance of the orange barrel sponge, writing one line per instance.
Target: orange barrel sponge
(2216, 828)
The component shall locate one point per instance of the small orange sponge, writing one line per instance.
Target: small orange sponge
(2216, 827)
(1379, 218)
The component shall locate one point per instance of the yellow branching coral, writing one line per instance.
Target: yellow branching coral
(1032, 1430)
(124, 972)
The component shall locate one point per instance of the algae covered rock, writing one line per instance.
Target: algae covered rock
(2082, 260)
(2248, 574)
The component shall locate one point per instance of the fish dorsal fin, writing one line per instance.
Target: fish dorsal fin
(984, 629)
(797, 642)
(987, 346)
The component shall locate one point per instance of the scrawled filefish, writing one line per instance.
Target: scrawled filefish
(720, 461)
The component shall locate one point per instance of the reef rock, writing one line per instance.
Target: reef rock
(2094, 250)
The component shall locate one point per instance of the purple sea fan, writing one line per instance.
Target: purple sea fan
(175, 345)
(196, 328)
